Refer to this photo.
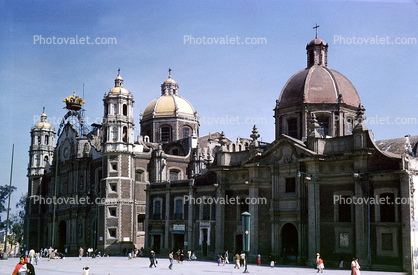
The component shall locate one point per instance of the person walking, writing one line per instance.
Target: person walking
(171, 259)
(237, 260)
(226, 257)
(242, 258)
(355, 267)
(37, 257)
(23, 267)
(189, 253)
(152, 259)
(258, 259)
(31, 256)
(272, 260)
(320, 264)
(50, 250)
(80, 252)
(181, 257)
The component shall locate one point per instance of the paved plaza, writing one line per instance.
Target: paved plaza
(123, 266)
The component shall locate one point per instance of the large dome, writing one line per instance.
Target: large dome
(169, 106)
(318, 84)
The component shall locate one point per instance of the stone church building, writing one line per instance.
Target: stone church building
(312, 190)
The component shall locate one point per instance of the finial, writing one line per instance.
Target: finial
(119, 71)
(169, 72)
(255, 135)
(316, 30)
(43, 110)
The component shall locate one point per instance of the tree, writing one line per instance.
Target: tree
(17, 221)
(4, 195)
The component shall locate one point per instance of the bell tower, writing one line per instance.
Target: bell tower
(41, 152)
(117, 185)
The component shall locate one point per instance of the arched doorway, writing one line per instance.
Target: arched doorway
(62, 235)
(290, 243)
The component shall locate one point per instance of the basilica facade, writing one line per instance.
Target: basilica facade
(170, 188)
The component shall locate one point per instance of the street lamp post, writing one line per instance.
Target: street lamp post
(246, 236)
(309, 177)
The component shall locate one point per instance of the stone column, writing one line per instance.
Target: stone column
(406, 221)
(190, 241)
(219, 221)
(167, 219)
(253, 209)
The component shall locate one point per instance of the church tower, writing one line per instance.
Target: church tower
(41, 153)
(118, 169)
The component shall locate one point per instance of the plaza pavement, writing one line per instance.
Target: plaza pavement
(123, 266)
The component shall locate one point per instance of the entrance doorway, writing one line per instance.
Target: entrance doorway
(156, 244)
(290, 243)
(178, 242)
(238, 243)
(62, 235)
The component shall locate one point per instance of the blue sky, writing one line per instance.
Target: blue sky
(220, 81)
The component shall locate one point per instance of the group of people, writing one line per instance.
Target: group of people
(133, 253)
(179, 256)
(354, 266)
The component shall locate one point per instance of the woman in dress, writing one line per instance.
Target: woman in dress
(355, 267)
(23, 267)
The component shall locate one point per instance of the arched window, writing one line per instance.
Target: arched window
(323, 122)
(186, 132)
(165, 133)
(46, 140)
(174, 174)
(125, 110)
(125, 134)
(349, 126)
(292, 127)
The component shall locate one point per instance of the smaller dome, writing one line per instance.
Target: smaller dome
(119, 90)
(317, 41)
(169, 106)
(170, 80)
(43, 123)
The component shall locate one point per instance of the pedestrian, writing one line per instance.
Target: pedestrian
(50, 250)
(320, 264)
(355, 267)
(272, 260)
(226, 257)
(189, 253)
(23, 267)
(80, 252)
(237, 260)
(171, 259)
(37, 257)
(181, 257)
(219, 258)
(258, 259)
(152, 259)
(31, 256)
(178, 256)
(242, 258)
(341, 265)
